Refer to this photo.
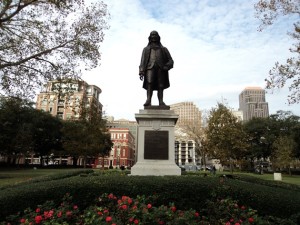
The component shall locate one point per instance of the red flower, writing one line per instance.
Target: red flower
(59, 214)
(129, 200)
(75, 207)
(243, 207)
(37, 210)
(38, 219)
(136, 221)
(149, 206)
(231, 220)
(100, 213)
(119, 201)
(22, 220)
(251, 220)
(196, 214)
(68, 213)
(173, 208)
(134, 207)
(108, 219)
(237, 224)
(110, 196)
(124, 207)
(106, 211)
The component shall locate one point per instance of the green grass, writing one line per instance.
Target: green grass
(16, 176)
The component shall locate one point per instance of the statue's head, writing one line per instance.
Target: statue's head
(154, 37)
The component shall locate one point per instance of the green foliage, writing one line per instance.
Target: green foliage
(268, 200)
(25, 130)
(225, 135)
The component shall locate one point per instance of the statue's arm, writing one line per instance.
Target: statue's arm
(142, 65)
(169, 61)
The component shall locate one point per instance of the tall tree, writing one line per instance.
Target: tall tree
(25, 129)
(268, 11)
(44, 40)
(87, 137)
(284, 153)
(225, 135)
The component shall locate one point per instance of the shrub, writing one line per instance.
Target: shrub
(109, 209)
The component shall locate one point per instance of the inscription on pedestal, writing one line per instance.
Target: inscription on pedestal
(156, 145)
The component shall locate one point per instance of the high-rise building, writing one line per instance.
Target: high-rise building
(185, 148)
(64, 99)
(187, 111)
(252, 102)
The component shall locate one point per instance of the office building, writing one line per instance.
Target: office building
(252, 102)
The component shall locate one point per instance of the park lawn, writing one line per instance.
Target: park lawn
(15, 176)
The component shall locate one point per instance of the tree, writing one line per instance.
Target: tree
(225, 135)
(268, 11)
(24, 129)
(193, 130)
(284, 152)
(45, 40)
(88, 135)
(260, 137)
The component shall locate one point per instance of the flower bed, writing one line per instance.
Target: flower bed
(112, 210)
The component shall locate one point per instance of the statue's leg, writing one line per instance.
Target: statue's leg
(149, 96)
(149, 87)
(160, 95)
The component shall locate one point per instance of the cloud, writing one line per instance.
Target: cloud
(215, 45)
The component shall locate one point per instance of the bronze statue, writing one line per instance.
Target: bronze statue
(155, 63)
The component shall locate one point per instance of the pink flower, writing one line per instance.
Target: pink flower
(37, 210)
(38, 219)
(75, 207)
(196, 214)
(68, 213)
(22, 220)
(59, 214)
(108, 219)
(251, 220)
(136, 221)
(243, 207)
(231, 220)
(149, 206)
(131, 219)
(106, 211)
(134, 207)
(110, 196)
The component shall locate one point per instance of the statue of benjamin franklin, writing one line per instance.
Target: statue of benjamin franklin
(155, 63)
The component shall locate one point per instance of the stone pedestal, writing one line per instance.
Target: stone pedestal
(156, 143)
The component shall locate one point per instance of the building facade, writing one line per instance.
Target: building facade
(187, 111)
(123, 150)
(65, 99)
(185, 148)
(252, 102)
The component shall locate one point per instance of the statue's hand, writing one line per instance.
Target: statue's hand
(166, 68)
(141, 76)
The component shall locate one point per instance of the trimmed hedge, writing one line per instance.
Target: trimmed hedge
(185, 191)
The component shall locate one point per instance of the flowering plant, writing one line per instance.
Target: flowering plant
(111, 210)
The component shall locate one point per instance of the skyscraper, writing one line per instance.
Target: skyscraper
(187, 111)
(252, 102)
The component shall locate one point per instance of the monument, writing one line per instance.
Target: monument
(156, 141)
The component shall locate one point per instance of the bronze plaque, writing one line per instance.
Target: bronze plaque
(156, 145)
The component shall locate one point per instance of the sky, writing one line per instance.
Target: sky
(215, 44)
